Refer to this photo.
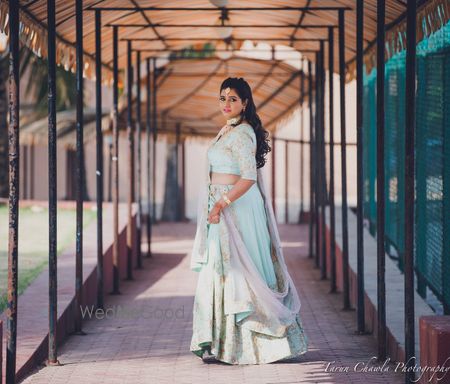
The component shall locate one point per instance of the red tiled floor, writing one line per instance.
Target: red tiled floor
(144, 348)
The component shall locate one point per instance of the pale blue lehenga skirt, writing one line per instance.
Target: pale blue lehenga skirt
(230, 342)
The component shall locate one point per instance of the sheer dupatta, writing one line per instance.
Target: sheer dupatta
(270, 311)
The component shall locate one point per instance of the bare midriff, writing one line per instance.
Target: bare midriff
(224, 178)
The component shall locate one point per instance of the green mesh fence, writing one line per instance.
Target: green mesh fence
(432, 202)
(369, 149)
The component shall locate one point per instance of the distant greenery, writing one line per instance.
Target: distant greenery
(37, 88)
(65, 82)
(206, 51)
(33, 243)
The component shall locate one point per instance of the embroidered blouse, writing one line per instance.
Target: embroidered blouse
(234, 152)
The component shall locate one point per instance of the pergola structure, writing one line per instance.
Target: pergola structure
(100, 38)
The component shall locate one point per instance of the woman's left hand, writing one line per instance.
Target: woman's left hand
(214, 214)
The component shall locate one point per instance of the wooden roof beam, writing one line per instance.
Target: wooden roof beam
(207, 50)
(189, 74)
(219, 39)
(215, 9)
(300, 20)
(150, 24)
(293, 75)
(159, 25)
(195, 89)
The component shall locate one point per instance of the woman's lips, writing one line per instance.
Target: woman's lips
(227, 110)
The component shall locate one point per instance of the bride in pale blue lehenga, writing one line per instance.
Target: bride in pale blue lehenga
(246, 307)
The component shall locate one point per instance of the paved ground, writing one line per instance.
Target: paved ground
(146, 347)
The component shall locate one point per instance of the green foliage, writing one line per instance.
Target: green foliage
(191, 52)
(37, 85)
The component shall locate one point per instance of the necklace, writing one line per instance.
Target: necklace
(231, 123)
(234, 121)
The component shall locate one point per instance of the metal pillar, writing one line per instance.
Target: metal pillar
(79, 168)
(177, 166)
(410, 123)
(381, 288)
(110, 145)
(317, 160)
(183, 180)
(130, 133)
(24, 172)
(359, 165)
(323, 180)
(154, 137)
(52, 186)
(345, 271)
(14, 163)
(148, 127)
(273, 176)
(32, 163)
(115, 160)
(331, 123)
(99, 155)
(286, 181)
(139, 159)
(302, 126)
(311, 163)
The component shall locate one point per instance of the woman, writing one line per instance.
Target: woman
(246, 307)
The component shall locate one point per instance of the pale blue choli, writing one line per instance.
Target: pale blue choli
(235, 152)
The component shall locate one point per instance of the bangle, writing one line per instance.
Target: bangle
(227, 200)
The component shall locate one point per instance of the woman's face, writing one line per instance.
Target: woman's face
(230, 103)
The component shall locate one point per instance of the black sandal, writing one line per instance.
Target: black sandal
(208, 358)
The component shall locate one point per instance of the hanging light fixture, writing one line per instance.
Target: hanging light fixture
(224, 49)
(222, 29)
(219, 3)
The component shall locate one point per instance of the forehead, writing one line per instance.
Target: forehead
(232, 92)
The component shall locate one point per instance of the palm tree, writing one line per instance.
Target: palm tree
(65, 99)
(65, 83)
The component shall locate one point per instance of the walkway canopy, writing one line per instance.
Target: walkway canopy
(157, 29)
(188, 92)
(160, 28)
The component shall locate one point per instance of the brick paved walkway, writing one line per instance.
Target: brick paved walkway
(145, 348)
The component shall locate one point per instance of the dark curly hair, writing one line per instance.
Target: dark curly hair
(245, 93)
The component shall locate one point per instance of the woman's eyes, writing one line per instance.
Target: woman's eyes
(223, 99)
